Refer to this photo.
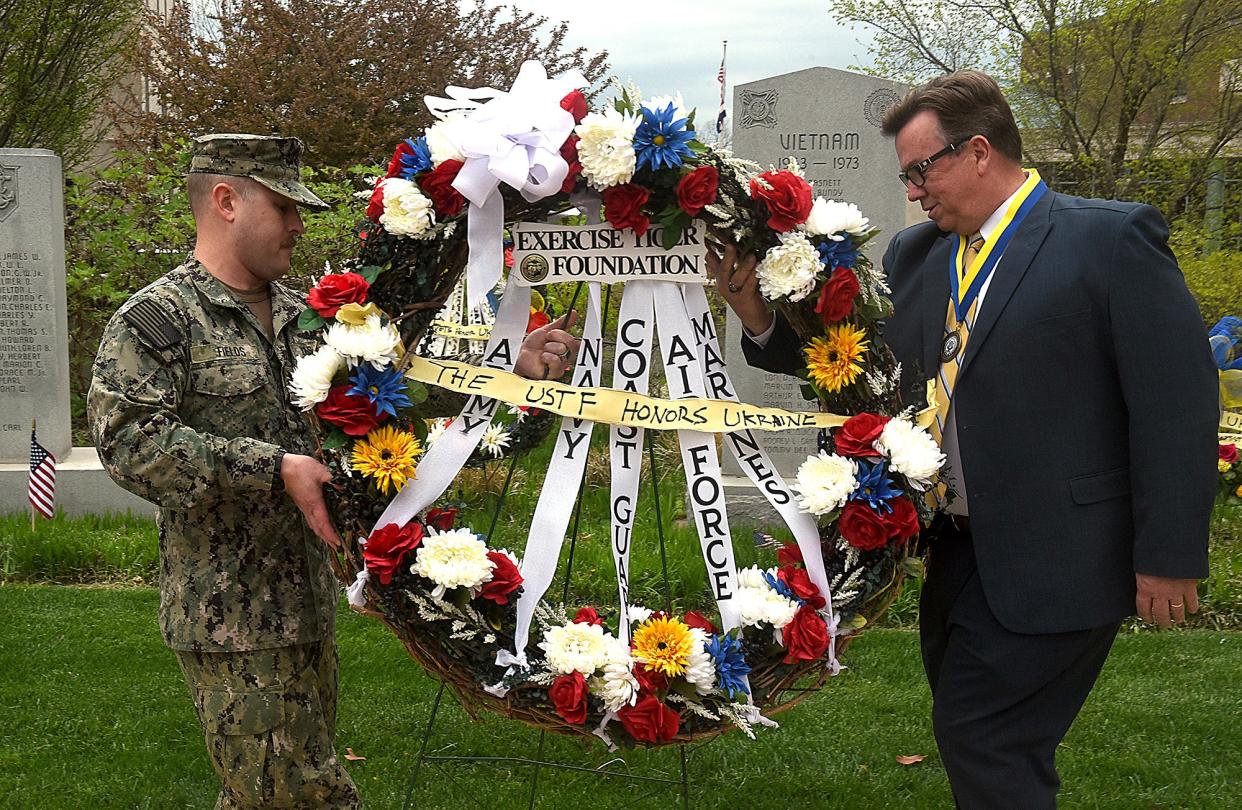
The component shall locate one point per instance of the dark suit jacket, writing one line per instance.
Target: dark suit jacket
(1086, 407)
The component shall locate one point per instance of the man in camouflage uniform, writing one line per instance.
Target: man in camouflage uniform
(190, 409)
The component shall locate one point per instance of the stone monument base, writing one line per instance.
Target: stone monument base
(747, 505)
(83, 487)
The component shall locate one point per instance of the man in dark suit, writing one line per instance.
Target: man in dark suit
(1080, 433)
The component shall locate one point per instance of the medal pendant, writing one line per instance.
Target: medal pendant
(951, 345)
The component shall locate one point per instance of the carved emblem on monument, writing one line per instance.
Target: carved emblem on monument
(8, 191)
(877, 104)
(759, 108)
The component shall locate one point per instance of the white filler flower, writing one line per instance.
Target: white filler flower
(911, 451)
(789, 268)
(495, 440)
(577, 647)
(453, 559)
(606, 148)
(825, 482)
(832, 218)
(407, 211)
(312, 378)
(443, 136)
(616, 686)
(371, 342)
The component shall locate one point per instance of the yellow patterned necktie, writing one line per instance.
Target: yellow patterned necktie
(952, 350)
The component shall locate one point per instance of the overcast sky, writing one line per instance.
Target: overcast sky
(667, 46)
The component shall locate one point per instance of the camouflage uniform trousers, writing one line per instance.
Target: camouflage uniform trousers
(269, 717)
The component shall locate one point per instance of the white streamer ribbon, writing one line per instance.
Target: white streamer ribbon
(513, 138)
(444, 459)
(559, 492)
(754, 460)
(356, 593)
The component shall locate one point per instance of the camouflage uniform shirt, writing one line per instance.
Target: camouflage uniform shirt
(190, 410)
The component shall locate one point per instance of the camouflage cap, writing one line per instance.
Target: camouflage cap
(269, 160)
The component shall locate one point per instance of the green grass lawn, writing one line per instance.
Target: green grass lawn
(93, 713)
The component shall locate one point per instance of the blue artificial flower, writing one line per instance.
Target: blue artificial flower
(838, 254)
(874, 486)
(386, 389)
(777, 584)
(418, 160)
(730, 661)
(659, 140)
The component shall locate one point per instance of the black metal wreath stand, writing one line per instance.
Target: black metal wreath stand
(538, 763)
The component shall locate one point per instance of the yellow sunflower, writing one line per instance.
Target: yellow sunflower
(834, 362)
(664, 645)
(387, 455)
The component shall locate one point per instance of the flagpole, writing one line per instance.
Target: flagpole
(33, 425)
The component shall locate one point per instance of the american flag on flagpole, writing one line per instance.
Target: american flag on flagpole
(720, 78)
(42, 490)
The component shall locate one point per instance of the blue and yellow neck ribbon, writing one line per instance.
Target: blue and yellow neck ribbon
(966, 282)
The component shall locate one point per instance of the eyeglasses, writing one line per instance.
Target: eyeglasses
(916, 173)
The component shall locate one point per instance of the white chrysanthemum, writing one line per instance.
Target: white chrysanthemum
(407, 211)
(443, 137)
(453, 559)
(789, 268)
(700, 667)
(751, 577)
(437, 429)
(616, 686)
(577, 647)
(833, 218)
(312, 378)
(606, 148)
(911, 451)
(495, 441)
(825, 482)
(371, 342)
(764, 606)
(639, 614)
(660, 102)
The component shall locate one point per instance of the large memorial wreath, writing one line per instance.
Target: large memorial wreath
(474, 615)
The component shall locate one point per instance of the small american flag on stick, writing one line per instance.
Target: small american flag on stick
(42, 489)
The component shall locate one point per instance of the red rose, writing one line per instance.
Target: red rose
(697, 189)
(569, 151)
(861, 527)
(799, 581)
(696, 619)
(568, 695)
(836, 297)
(1228, 453)
(648, 680)
(394, 165)
(386, 547)
(335, 291)
(375, 207)
(623, 207)
(438, 185)
(505, 579)
(855, 439)
(788, 198)
(508, 257)
(537, 319)
(806, 636)
(789, 554)
(903, 521)
(352, 413)
(650, 720)
(441, 519)
(587, 615)
(575, 104)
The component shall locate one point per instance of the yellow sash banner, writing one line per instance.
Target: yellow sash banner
(604, 405)
(475, 331)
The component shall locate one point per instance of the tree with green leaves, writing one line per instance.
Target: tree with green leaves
(346, 76)
(59, 59)
(1117, 93)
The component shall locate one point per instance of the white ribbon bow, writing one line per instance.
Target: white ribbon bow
(514, 138)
